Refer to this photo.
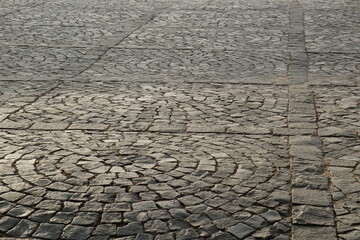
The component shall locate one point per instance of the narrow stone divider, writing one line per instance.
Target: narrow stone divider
(312, 207)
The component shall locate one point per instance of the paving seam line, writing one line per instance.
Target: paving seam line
(312, 207)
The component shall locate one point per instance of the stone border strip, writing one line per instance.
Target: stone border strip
(299, 63)
(251, 130)
(312, 206)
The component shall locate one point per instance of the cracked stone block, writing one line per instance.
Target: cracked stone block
(144, 206)
(311, 197)
(23, 229)
(310, 215)
(156, 226)
(313, 232)
(73, 232)
(130, 229)
(7, 223)
(49, 126)
(49, 231)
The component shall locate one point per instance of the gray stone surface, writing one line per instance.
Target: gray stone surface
(167, 119)
(308, 232)
(241, 230)
(23, 229)
(130, 229)
(76, 232)
(309, 215)
(311, 197)
(49, 231)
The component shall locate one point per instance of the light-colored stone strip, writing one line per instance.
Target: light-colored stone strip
(312, 206)
(251, 130)
(164, 128)
(299, 63)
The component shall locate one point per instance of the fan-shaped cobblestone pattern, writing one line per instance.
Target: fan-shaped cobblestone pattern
(146, 105)
(239, 5)
(340, 69)
(74, 17)
(19, 3)
(319, 40)
(38, 62)
(344, 168)
(332, 27)
(190, 64)
(141, 5)
(205, 39)
(324, 5)
(179, 5)
(333, 19)
(338, 107)
(249, 19)
(10, 7)
(57, 36)
(81, 184)
(14, 95)
(13, 4)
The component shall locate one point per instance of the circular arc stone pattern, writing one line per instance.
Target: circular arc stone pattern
(338, 107)
(73, 16)
(344, 169)
(332, 19)
(223, 20)
(334, 68)
(72, 184)
(207, 64)
(188, 104)
(219, 5)
(55, 35)
(333, 40)
(32, 62)
(170, 38)
(16, 94)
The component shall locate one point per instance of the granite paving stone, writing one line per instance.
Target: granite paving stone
(49, 231)
(309, 215)
(128, 207)
(76, 232)
(23, 229)
(175, 120)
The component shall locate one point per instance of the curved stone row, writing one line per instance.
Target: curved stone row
(220, 19)
(59, 36)
(75, 185)
(204, 38)
(72, 17)
(149, 104)
(338, 107)
(32, 62)
(189, 63)
(344, 169)
(319, 40)
(325, 18)
(95, 14)
(218, 5)
(336, 68)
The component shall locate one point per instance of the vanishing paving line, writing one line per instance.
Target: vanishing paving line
(108, 44)
(36, 98)
(312, 207)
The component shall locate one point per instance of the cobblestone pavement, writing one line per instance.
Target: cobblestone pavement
(175, 120)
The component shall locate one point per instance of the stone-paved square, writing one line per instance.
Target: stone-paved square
(179, 119)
